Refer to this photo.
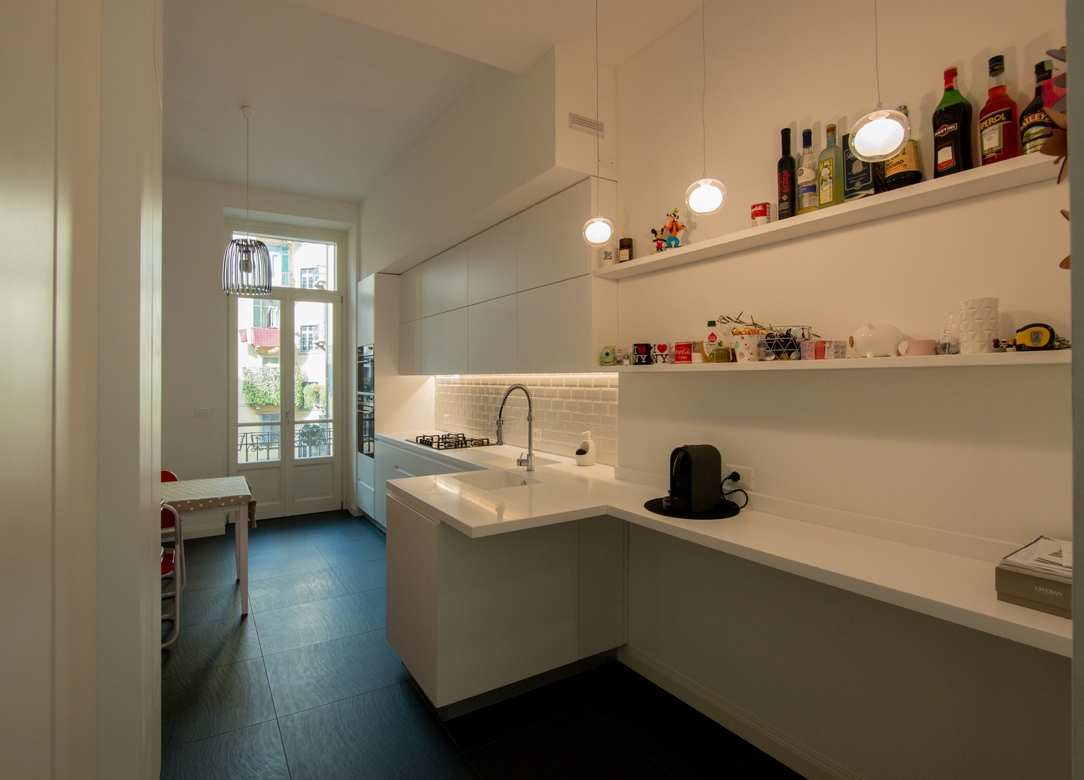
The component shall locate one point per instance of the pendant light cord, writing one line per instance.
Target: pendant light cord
(598, 152)
(248, 214)
(877, 53)
(704, 91)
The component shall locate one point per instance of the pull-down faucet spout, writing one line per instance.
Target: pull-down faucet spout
(529, 460)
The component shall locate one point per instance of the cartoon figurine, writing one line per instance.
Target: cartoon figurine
(659, 238)
(672, 228)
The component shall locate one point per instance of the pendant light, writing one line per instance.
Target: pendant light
(882, 133)
(598, 230)
(246, 266)
(704, 196)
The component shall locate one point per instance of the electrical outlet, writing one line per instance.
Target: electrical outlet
(201, 411)
(538, 433)
(746, 480)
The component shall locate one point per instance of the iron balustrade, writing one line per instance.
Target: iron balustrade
(311, 440)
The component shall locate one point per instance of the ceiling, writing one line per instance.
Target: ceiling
(340, 89)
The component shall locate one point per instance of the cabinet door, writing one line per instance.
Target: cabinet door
(444, 281)
(492, 264)
(555, 328)
(410, 295)
(492, 343)
(550, 246)
(410, 348)
(444, 343)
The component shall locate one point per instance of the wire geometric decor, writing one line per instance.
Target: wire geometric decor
(246, 268)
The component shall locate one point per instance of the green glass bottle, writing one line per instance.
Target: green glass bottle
(830, 174)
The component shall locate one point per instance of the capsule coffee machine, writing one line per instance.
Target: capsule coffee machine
(696, 477)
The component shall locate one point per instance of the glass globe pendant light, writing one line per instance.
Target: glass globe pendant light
(882, 133)
(598, 230)
(246, 265)
(704, 196)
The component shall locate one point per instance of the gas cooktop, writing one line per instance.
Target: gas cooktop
(450, 441)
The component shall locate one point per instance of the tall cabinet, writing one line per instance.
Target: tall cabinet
(517, 298)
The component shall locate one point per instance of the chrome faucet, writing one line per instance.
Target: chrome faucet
(529, 460)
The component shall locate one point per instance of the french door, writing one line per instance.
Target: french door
(287, 432)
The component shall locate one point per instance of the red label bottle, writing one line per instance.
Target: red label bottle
(999, 120)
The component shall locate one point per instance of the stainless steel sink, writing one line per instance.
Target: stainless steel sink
(494, 480)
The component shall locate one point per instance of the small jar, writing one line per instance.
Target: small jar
(624, 250)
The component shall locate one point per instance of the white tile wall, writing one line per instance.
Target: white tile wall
(565, 405)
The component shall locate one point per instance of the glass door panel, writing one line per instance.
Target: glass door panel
(314, 382)
(259, 383)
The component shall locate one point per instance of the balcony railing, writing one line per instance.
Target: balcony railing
(311, 440)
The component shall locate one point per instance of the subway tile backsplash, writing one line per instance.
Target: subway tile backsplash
(565, 405)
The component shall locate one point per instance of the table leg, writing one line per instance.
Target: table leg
(240, 532)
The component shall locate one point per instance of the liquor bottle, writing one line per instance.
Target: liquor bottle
(830, 173)
(905, 168)
(807, 175)
(952, 131)
(785, 178)
(1035, 125)
(999, 131)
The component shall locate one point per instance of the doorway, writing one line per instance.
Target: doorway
(285, 376)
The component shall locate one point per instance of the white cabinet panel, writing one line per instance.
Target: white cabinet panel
(398, 463)
(492, 328)
(550, 245)
(555, 328)
(410, 295)
(444, 343)
(410, 348)
(444, 281)
(493, 268)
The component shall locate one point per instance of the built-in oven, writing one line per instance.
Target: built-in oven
(366, 377)
(366, 406)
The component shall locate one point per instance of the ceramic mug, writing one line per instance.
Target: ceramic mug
(917, 347)
(746, 348)
(641, 354)
(660, 353)
(683, 352)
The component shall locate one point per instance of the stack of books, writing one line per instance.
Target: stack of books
(1038, 576)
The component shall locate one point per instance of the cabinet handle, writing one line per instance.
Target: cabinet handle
(398, 468)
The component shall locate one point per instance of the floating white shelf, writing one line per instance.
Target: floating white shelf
(1005, 175)
(1052, 358)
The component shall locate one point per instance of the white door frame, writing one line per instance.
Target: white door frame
(288, 296)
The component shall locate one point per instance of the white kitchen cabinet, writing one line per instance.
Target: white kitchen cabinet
(550, 246)
(445, 280)
(467, 616)
(410, 295)
(493, 269)
(410, 348)
(392, 462)
(492, 343)
(444, 343)
(563, 327)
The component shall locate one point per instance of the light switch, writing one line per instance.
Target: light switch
(201, 411)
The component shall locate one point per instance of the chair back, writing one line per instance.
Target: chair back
(169, 517)
(169, 476)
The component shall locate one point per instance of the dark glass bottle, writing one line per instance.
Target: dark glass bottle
(999, 120)
(905, 168)
(952, 131)
(786, 179)
(1035, 125)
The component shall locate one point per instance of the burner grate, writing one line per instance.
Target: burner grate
(451, 441)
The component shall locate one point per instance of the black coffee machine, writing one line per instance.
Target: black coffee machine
(696, 476)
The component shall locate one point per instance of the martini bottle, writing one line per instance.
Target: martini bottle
(952, 131)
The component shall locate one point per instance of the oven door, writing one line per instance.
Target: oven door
(366, 425)
(366, 374)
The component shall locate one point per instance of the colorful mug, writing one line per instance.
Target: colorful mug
(641, 354)
(660, 353)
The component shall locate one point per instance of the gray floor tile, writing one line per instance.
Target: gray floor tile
(210, 575)
(283, 563)
(354, 552)
(458, 768)
(293, 589)
(363, 576)
(203, 606)
(213, 701)
(209, 549)
(373, 604)
(317, 674)
(215, 643)
(253, 753)
(339, 532)
(383, 734)
(308, 624)
(278, 542)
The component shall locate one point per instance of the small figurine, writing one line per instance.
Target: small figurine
(659, 238)
(672, 228)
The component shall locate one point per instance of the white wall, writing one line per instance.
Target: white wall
(80, 190)
(195, 341)
(503, 146)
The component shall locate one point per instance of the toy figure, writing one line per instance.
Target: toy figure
(672, 228)
(659, 239)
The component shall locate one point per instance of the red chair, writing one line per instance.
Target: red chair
(170, 561)
(171, 530)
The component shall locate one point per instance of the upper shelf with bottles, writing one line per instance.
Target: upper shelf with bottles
(1017, 172)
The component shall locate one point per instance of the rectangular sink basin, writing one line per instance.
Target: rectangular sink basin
(494, 480)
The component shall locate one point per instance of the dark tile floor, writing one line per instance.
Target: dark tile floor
(307, 686)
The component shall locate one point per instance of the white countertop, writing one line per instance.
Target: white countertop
(946, 586)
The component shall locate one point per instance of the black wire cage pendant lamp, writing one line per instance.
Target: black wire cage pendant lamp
(246, 266)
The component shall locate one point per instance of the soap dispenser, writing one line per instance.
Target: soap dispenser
(585, 453)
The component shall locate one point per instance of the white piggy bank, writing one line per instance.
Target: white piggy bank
(876, 341)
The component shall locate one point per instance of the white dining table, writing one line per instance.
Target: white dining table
(193, 497)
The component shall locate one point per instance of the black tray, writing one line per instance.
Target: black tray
(668, 508)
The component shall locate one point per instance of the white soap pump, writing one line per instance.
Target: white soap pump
(585, 453)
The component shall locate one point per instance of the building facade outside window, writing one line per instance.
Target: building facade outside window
(307, 338)
(309, 278)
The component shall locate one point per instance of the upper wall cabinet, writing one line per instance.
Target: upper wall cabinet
(493, 268)
(551, 246)
(410, 295)
(444, 281)
(444, 343)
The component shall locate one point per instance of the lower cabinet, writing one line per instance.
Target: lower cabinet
(467, 616)
(399, 463)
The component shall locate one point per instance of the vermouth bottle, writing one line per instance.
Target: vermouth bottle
(999, 134)
(807, 175)
(785, 178)
(1035, 125)
(952, 131)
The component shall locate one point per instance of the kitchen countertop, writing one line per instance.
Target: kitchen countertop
(951, 587)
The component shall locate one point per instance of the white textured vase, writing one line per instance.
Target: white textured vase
(980, 324)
